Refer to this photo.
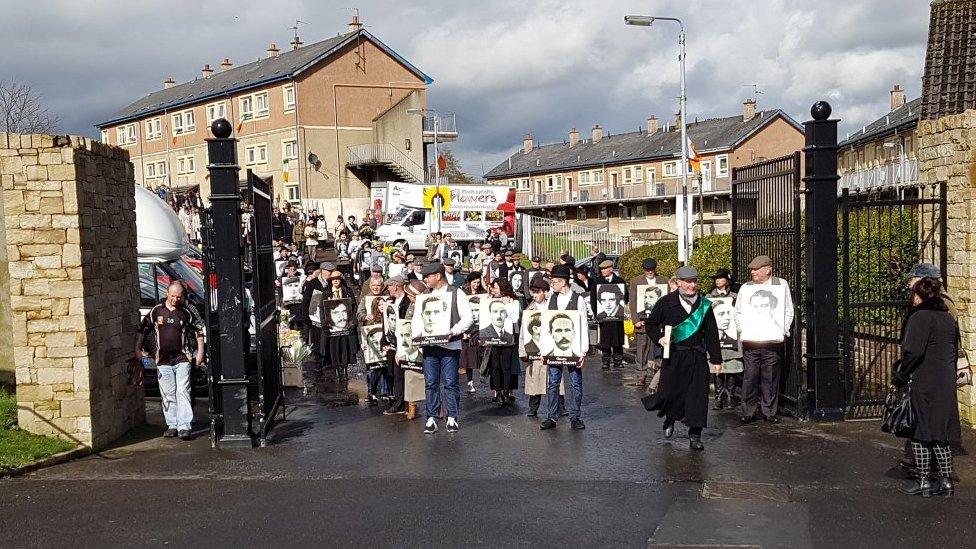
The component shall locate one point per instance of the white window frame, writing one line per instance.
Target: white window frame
(285, 92)
(184, 122)
(671, 169)
(155, 169)
(638, 174)
(216, 111)
(584, 179)
(628, 175)
(125, 134)
(597, 177)
(256, 154)
(259, 111)
(104, 136)
(154, 129)
(293, 143)
(149, 169)
(293, 193)
(247, 106)
(185, 165)
(523, 185)
(651, 176)
(719, 161)
(554, 183)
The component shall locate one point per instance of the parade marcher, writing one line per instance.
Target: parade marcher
(471, 351)
(311, 237)
(298, 234)
(414, 383)
(366, 316)
(731, 375)
(340, 349)
(536, 373)
(564, 299)
(162, 338)
(316, 281)
(363, 260)
(611, 332)
(441, 361)
(415, 270)
(647, 352)
(503, 359)
(454, 278)
(692, 352)
(293, 303)
(762, 344)
(400, 303)
(929, 343)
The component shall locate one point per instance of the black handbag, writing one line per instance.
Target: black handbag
(899, 417)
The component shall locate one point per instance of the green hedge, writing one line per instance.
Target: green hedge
(711, 253)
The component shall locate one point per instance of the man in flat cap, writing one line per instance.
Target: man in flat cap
(763, 329)
(564, 299)
(611, 328)
(693, 353)
(414, 268)
(646, 351)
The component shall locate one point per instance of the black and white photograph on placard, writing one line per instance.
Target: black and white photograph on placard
(315, 309)
(372, 337)
(610, 302)
(338, 316)
(457, 256)
(531, 335)
(291, 290)
(518, 279)
(395, 269)
(474, 301)
(380, 260)
(389, 314)
(723, 309)
(647, 296)
(496, 323)
(406, 350)
(432, 319)
(366, 260)
(763, 310)
(562, 337)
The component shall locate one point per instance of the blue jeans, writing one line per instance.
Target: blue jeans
(552, 392)
(441, 364)
(174, 391)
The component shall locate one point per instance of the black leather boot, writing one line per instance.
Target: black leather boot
(668, 428)
(944, 487)
(923, 487)
(695, 443)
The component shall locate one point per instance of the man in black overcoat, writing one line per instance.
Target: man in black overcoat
(694, 354)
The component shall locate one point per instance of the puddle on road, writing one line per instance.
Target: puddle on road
(746, 490)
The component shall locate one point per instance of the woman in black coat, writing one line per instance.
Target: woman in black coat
(930, 338)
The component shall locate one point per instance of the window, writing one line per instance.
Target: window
(598, 176)
(154, 129)
(289, 93)
(104, 137)
(216, 111)
(580, 214)
(721, 205)
(292, 194)
(247, 107)
(126, 135)
(561, 215)
(156, 169)
(584, 178)
(641, 211)
(651, 176)
(666, 208)
(256, 154)
(184, 122)
(185, 165)
(523, 185)
(261, 104)
(671, 169)
(722, 166)
(554, 183)
(603, 212)
(628, 176)
(638, 174)
(289, 149)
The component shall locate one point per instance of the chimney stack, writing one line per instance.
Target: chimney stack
(273, 51)
(207, 71)
(354, 25)
(226, 65)
(573, 137)
(168, 83)
(527, 143)
(296, 43)
(597, 133)
(897, 97)
(677, 120)
(652, 124)
(748, 110)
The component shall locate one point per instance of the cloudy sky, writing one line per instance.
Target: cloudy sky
(505, 67)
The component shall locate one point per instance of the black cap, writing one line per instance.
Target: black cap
(536, 259)
(539, 283)
(434, 267)
(649, 264)
(561, 271)
(722, 273)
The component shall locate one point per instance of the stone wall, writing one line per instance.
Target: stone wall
(69, 213)
(947, 152)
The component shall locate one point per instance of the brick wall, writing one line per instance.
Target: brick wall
(69, 214)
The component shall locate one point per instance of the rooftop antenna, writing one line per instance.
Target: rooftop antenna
(755, 91)
(295, 28)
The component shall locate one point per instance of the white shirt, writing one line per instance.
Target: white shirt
(465, 318)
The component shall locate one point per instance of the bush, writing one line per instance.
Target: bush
(711, 253)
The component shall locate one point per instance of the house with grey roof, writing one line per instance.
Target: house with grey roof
(883, 153)
(627, 183)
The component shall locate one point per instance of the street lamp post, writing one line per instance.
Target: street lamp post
(437, 169)
(684, 210)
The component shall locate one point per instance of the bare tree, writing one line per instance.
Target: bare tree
(22, 111)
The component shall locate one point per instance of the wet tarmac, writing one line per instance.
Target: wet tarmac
(338, 476)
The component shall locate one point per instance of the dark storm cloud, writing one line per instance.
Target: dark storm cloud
(505, 67)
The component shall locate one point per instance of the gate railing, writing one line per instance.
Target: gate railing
(548, 237)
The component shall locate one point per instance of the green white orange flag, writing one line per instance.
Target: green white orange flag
(244, 118)
(694, 159)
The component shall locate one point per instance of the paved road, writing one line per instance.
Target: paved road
(349, 476)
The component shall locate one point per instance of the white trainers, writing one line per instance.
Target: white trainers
(471, 387)
(431, 426)
(452, 425)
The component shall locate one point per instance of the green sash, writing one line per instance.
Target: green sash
(691, 324)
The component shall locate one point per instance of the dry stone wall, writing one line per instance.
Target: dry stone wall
(69, 215)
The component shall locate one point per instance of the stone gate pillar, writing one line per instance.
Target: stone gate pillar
(69, 216)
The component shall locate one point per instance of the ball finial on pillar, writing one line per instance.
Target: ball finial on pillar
(221, 128)
(820, 110)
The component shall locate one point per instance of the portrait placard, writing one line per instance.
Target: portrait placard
(380, 260)
(763, 310)
(338, 316)
(457, 256)
(723, 309)
(496, 322)
(610, 303)
(647, 296)
(394, 269)
(291, 290)
(432, 319)
(562, 337)
(407, 352)
(372, 337)
(518, 280)
(315, 308)
(531, 334)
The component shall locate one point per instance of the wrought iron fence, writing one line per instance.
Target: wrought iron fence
(547, 238)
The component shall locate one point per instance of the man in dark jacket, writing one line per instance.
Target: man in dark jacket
(611, 331)
(691, 352)
(647, 353)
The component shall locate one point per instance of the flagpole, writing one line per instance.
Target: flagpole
(685, 253)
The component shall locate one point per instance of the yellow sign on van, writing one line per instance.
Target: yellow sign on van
(432, 193)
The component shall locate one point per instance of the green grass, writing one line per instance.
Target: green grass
(19, 448)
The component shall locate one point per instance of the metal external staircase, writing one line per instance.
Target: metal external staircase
(385, 154)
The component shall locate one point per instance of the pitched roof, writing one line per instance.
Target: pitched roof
(950, 59)
(258, 73)
(901, 119)
(708, 135)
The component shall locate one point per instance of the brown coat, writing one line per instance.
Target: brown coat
(632, 288)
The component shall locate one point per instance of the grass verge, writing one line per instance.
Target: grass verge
(19, 448)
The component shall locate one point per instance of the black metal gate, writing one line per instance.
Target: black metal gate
(766, 220)
(884, 232)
